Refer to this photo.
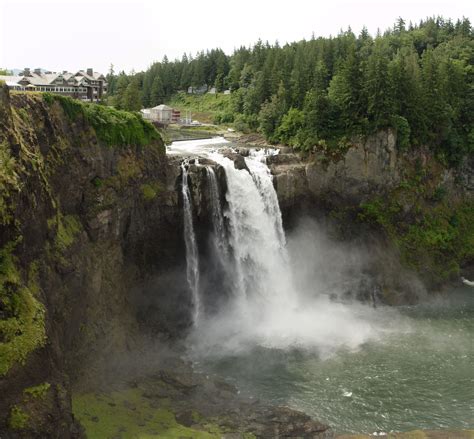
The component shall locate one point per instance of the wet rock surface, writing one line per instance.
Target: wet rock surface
(237, 157)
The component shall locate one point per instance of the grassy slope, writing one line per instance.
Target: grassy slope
(204, 107)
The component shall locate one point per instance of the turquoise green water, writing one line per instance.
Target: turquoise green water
(417, 379)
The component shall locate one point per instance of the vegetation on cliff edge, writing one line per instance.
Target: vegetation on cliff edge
(113, 127)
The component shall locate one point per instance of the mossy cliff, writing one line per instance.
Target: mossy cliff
(89, 218)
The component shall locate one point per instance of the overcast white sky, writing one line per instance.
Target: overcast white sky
(131, 34)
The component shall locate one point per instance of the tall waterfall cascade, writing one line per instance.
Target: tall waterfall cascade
(192, 254)
(248, 237)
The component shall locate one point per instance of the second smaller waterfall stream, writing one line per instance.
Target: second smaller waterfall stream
(192, 254)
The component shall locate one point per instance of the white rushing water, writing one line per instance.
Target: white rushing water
(195, 147)
(256, 234)
(192, 254)
(263, 179)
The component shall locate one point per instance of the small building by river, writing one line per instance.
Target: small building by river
(162, 113)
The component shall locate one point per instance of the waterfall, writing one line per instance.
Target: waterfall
(256, 300)
(256, 235)
(264, 181)
(192, 255)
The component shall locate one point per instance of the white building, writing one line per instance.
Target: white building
(161, 113)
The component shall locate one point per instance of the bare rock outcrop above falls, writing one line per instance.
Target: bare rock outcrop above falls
(366, 168)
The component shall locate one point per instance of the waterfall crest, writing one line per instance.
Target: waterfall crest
(192, 254)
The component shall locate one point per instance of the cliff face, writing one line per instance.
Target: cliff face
(91, 253)
(368, 167)
(421, 211)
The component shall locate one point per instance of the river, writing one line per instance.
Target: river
(420, 378)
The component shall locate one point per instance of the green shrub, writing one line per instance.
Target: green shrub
(67, 227)
(290, 124)
(49, 98)
(433, 239)
(245, 124)
(150, 191)
(9, 181)
(23, 114)
(223, 117)
(402, 127)
(113, 127)
(97, 182)
(18, 418)
(38, 391)
(22, 328)
(120, 128)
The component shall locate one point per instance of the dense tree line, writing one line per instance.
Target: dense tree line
(417, 79)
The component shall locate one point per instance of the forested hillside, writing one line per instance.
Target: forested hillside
(417, 79)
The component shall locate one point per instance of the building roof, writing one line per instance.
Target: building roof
(10, 79)
(98, 76)
(162, 107)
(85, 75)
(42, 79)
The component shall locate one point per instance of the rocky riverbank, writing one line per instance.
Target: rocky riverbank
(172, 400)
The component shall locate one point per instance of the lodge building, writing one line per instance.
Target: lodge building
(85, 85)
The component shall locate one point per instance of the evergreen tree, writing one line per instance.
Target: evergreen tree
(346, 91)
(132, 100)
(119, 97)
(377, 86)
(271, 114)
(157, 92)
